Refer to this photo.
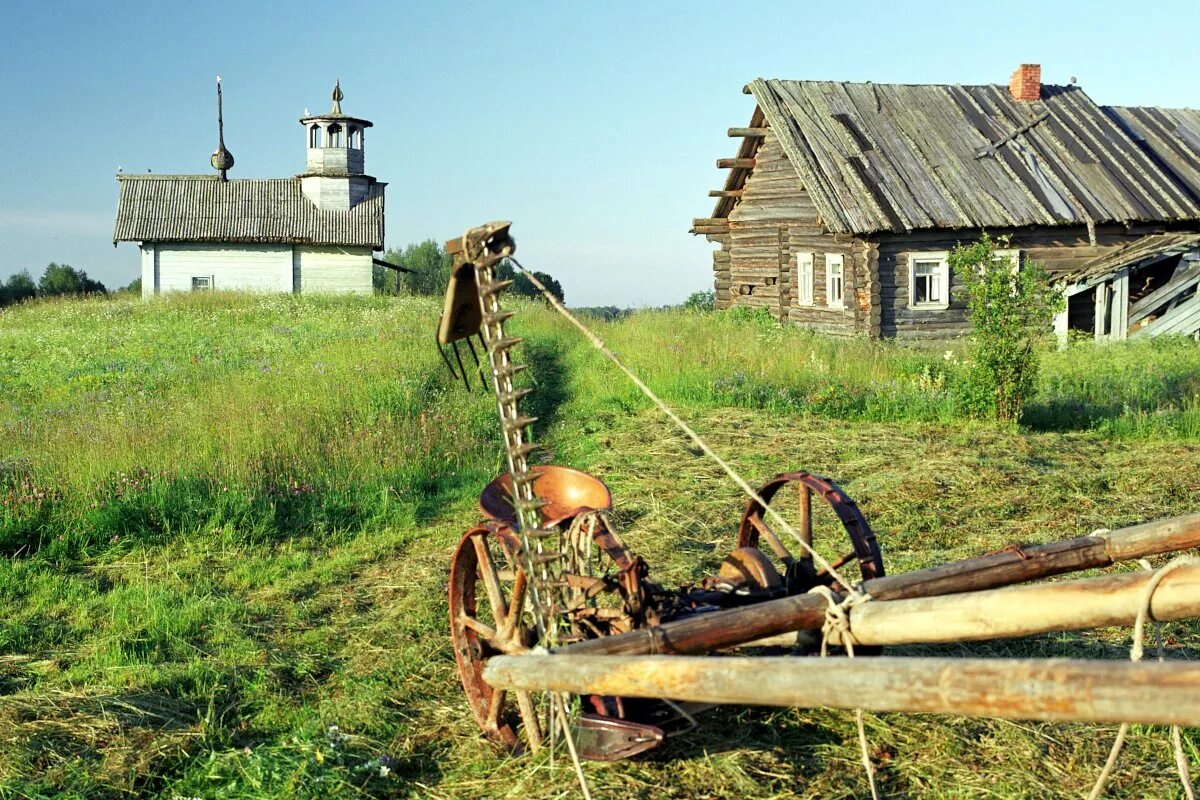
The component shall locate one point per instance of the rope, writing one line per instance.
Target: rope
(837, 620)
(1135, 654)
(686, 429)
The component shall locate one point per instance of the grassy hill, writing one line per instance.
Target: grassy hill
(227, 523)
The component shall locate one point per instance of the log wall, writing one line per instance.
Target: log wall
(774, 220)
(1059, 250)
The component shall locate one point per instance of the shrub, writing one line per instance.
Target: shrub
(1010, 309)
(701, 301)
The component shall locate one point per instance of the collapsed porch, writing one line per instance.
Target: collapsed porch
(1147, 288)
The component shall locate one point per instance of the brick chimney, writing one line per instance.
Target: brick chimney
(1026, 83)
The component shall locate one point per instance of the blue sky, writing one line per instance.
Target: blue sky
(593, 126)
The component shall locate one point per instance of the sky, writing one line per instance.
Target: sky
(593, 126)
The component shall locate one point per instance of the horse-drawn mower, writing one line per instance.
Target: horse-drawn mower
(546, 600)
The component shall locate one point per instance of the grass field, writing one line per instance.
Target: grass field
(227, 523)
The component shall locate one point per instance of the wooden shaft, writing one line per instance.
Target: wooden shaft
(750, 133)
(724, 192)
(735, 163)
(1025, 610)
(1154, 693)
(732, 627)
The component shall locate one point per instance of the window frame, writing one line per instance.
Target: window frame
(206, 287)
(805, 279)
(942, 257)
(840, 261)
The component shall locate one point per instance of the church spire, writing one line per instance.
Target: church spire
(337, 97)
(222, 159)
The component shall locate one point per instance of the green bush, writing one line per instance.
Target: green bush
(1010, 308)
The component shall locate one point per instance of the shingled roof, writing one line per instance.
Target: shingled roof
(888, 157)
(1169, 135)
(203, 208)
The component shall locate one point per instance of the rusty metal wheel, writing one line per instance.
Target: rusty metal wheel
(790, 494)
(489, 615)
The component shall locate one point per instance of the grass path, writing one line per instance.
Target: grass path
(223, 594)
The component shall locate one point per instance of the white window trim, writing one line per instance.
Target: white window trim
(804, 279)
(830, 300)
(943, 259)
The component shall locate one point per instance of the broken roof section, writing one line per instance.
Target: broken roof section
(889, 157)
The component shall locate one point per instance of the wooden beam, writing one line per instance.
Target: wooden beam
(735, 163)
(732, 627)
(1026, 610)
(1161, 295)
(749, 133)
(1062, 690)
(725, 193)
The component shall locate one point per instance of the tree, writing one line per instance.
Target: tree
(60, 279)
(701, 301)
(20, 286)
(1010, 307)
(134, 286)
(524, 287)
(430, 264)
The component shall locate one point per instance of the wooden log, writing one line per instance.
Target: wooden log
(732, 627)
(1060, 690)
(1025, 610)
(725, 193)
(735, 163)
(750, 133)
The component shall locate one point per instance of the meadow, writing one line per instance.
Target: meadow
(227, 521)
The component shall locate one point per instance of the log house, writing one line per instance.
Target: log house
(844, 199)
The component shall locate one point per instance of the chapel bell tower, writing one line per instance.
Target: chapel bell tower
(334, 177)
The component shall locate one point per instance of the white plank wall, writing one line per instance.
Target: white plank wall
(246, 267)
(170, 267)
(334, 269)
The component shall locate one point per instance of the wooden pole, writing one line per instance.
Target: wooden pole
(1154, 693)
(1025, 610)
(733, 627)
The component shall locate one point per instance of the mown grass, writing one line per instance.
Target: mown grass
(227, 523)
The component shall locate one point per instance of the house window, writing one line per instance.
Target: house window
(355, 138)
(335, 135)
(201, 283)
(929, 280)
(804, 279)
(835, 281)
(315, 139)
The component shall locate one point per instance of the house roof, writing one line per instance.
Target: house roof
(1169, 135)
(889, 157)
(203, 208)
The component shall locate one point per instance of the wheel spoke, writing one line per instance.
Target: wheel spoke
(805, 527)
(495, 707)
(491, 582)
(777, 546)
(529, 720)
(841, 562)
(486, 631)
(510, 623)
